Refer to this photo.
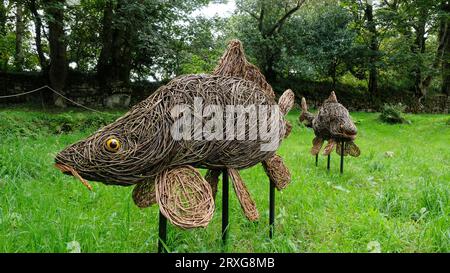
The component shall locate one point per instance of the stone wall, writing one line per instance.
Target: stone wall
(358, 98)
(81, 88)
(434, 104)
(85, 90)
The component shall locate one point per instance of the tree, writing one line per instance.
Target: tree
(416, 21)
(3, 18)
(200, 46)
(444, 46)
(328, 40)
(267, 20)
(6, 42)
(114, 64)
(57, 44)
(84, 42)
(373, 26)
(20, 29)
(33, 7)
(373, 46)
(140, 36)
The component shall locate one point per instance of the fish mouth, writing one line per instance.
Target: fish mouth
(71, 171)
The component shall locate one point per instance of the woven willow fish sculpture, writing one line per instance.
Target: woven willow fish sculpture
(141, 149)
(333, 124)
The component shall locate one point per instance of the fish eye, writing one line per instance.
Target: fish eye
(112, 145)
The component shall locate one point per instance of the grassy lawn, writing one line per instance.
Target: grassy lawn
(392, 204)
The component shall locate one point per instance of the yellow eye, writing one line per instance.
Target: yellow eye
(112, 145)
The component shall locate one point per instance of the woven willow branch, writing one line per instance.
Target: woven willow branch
(185, 197)
(246, 201)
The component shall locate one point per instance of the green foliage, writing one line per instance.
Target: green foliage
(156, 40)
(84, 45)
(324, 40)
(398, 204)
(202, 47)
(156, 37)
(393, 113)
(8, 39)
(6, 51)
(260, 25)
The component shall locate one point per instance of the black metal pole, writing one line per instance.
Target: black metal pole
(342, 156)
(271, 209)
(328, 162)
(317, 159)
(224, 205)
(162, 239)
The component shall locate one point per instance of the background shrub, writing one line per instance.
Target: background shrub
(393, 113)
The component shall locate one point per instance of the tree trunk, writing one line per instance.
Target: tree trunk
(104, 65)
(445, 30)
(114, 64)
(38, 35)
(58, 57)
(20, 29)
(373, 72)
(270, 72)
(419, 49)
(3, 18)
(333, 74)
(270, 32)
(441, 59)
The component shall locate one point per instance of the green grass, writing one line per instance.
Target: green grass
(400, 202)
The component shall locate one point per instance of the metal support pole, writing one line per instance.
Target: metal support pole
(317, 159)
(162, 239)
(328, 162)
(271, 209)
(342, 156)
(224, 205)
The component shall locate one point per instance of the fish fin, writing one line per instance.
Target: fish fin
(317, 145)
(330, 147)
(144, 194)
(277, 171)
(339, 148)
(288, 128)
(246, 201)
(286, 101)
(304, 105)
(332, 97)
(185, 198)
(352, 149)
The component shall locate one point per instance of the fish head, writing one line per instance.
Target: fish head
(117, 154)
(340, 123)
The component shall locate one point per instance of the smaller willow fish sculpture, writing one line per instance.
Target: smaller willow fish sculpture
(333, 124)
